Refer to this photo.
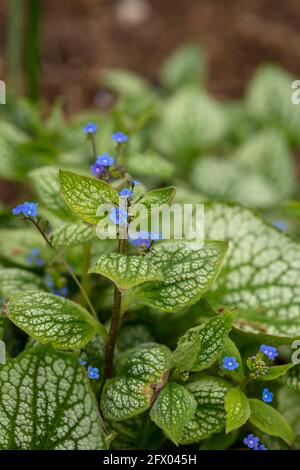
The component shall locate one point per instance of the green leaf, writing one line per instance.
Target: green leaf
(212, 334)
(158, 197)
(230, 350)
(261, 271)
(72, 235)
(138, 382)
(275, 372)
(16, 245)
(52, 319)
(126, 271)
(46, 402)
(84, 195)
(190, 121)
(125, 83)
(14, 280)
(189, 270)
(237, 409)
(149, 164)
(45, 180)
(292, 378)
(220, 441)
(210, 416)
(186, 353)
(268, 420)
(185, 66)
(172, 410)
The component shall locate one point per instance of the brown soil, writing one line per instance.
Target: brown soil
(82, 37)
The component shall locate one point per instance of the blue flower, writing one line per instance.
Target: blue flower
(155, 236)
(118, 216)
(29, 209)
(61, 292)
(141, 240)
(135, 182)
(105, 160)
(49, 281)
(82, 362)
(119, 137)
(269, 351)
(90, 128)
(93, 372)
(260, 447)
(96, 169)
(125, 193)
(251, 441)
(230, 363)
(35, 252)
(280, 225)
(267, 396)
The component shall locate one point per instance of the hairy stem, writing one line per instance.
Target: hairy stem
(68, 268)
(115, 323)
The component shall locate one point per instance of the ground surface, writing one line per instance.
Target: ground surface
(82, 37)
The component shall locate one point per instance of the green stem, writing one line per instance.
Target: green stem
(94, 149)
(85, 277)
(68, 268)
(115, 323)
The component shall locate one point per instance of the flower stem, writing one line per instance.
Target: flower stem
(65, 263)
(115, 323)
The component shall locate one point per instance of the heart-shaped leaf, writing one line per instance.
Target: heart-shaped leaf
(84, 195)
(14, 280)
(210, 416)
(46, 402)
(138, 382)
(172, 410)
(52, 319)
(72, 235)
(261, 271)
(189, 270)
(126, 271)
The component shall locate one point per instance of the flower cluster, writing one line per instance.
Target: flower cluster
(93, 372)
(34, 258)
(28, 209)
(60, 291)
(252, 442)
(102, 164)
(267, 396)
(230, 363)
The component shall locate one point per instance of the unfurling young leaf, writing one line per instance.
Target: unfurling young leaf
(84, 195)
(46, 402)
(189, 270)
(137, 384)
(172, 410)
(275, 372)
(126, 271)
(268, 420)
(212, 334)
(237, 409)
(52, 319)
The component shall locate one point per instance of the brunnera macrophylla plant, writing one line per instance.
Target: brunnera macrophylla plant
(136, 343)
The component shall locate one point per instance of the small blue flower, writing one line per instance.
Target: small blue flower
(280, 225)
(251, 441)
(155, 236)
(260, 447)
(49, 281)
(82, 362)
(60, 292)
(119, 137)
(267, 396)
(230, 363)
(90, 128)
(135, 182)
(269, 351)
(118, 216)
(125, 193)
(141, 240)
(93, 372)
(105, 160)
(96, 169)
(29, 209)
(35, 252)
